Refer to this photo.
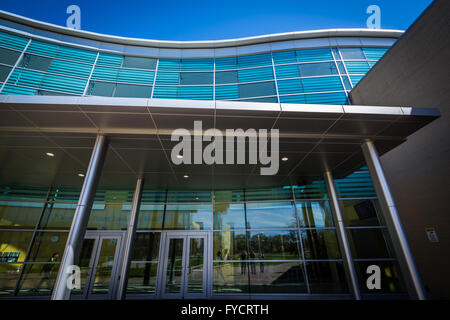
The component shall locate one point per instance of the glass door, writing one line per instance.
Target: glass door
(184, 269)
(99, 266)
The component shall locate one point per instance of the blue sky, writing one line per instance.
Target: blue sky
(213, 20)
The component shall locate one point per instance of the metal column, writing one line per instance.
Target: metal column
(394, 225)
(342, 236)
(132, 224)
(80, 219)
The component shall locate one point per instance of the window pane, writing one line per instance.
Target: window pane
(318, 69)
(271, 215)
(277, 277)
(230, 245)
(314, 214)
(361, 213)
(188, 217)
(48, 247)
(150, 217)
(108, 217)
(14, 245)
(274, 245)
(139, 62)
(391, 280)
(326, 277)
(4, 71)
(369, 243)
(257, 89)
(8, 56)
(38, 279)
(320, 244)
(352, 53)
(97, 88)
(9, 274)
(35, 62)
(230, 277)
(132, 91)
(142, 278)
(187, 78)
(146, 246)
(226, 77)
(19, 215)
(229, 216)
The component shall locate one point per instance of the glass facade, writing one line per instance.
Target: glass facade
(264, 241)
(315, 76)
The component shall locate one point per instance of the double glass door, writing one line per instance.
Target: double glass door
(99, 266)
(184, 270)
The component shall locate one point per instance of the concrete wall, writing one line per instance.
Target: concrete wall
(416, 72)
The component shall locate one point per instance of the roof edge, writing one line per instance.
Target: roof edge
(297, 35)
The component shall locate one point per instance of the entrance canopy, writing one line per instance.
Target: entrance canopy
(312, 139)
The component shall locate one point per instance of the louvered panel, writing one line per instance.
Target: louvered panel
(290, 86)
(255, 74)
(356, 79)
(76, 54)
(25, 78)
(357, 67)
(322, 84)
(164, 92)
(268, 194)
(356, 185)
(196, 93)
(12, 41)
(314, 55)
(197, 64)
(70, 68)
(64, 84)
(227, 92)
(293, 99)
(315, 190)
(374, 53)
(226, 63)
(256, 60)
(105, 73)
(42, 48)
(9, 89)
(287, 71)
(169, 64)
(284, 57)
(108, 59)
(136, 76)
(327, 98)
(167, 78)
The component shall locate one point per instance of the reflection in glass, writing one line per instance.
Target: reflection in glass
(361, 213)
(277, 277)
(105, 263)
(174, 266)
(9, 274)
(326, 277)
(229, 245)
(391, 280)
(229, 216)
(112, 217)
(146, 246)
(269, 215)
(19, 215)
(369, 243)
(196, 265)
(150, 217)
(14, 245)
(314, 214)
(85, 264)
(320, 244)
(47, 245)
(274, 245)
(188, 217)
(38, 279)
(142, 278)
(228, 278)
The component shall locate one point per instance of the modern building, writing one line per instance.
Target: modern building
(87, 176)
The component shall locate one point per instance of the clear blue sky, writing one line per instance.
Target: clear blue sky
(213, 20)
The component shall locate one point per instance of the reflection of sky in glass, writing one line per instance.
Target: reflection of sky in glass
(232, 218)
(319, 214)
(190, 215)
(270, 215)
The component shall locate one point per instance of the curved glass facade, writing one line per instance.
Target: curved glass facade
(300, 75)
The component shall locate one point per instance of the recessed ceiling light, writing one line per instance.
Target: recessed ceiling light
(81, 175)
(185, 176)
(284, 159)
(179, 156)
(50, 154)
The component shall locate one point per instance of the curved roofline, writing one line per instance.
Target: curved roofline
(325, 33)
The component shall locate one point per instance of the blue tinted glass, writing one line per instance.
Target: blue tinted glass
(226, 77)
(318, 69)
(260, 89)
(352, 53)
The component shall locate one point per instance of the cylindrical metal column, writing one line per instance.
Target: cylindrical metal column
(80, 219)
(393, 223)
(128, 248)
(342, 236)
